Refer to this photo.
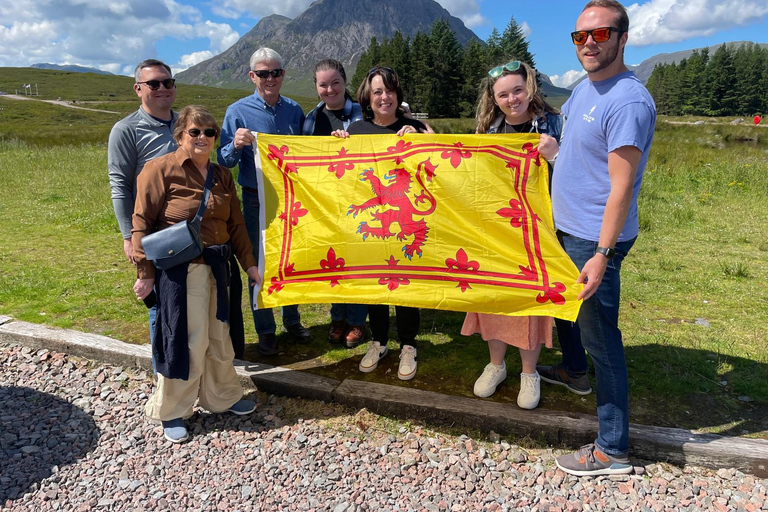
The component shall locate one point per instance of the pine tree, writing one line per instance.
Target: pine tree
(368, 60)
(473, 70)
(423, 72)
(446, 59)
(514, 45)
(721, 83)
(493, 52)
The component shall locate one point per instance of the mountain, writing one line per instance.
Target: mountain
(645, 68)
(338, 29)
(69, 67)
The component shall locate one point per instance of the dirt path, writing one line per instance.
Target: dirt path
(56, 102)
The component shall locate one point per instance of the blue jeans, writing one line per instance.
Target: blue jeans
(598, 322)
(354, 314)
(263, 319)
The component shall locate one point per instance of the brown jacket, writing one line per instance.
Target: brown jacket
(169, 190)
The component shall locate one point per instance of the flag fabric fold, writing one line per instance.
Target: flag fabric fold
(452, 222)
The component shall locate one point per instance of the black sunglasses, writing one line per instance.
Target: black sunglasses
(380, 68)
(168, 83)
(264, 73)
(599, 35)
(195, 132)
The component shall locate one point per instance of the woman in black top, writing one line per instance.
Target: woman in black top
(380, 96)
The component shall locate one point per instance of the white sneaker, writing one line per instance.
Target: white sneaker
(406, 370)
(492, 376)
(371, 358)
(530, 391)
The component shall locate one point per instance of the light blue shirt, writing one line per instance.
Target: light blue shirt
(252, 112)
(600, 117)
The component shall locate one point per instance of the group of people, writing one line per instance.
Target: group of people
(159, 162)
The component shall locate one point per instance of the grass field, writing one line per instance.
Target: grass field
(695, 291)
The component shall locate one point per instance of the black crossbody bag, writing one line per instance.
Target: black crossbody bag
(180, 242)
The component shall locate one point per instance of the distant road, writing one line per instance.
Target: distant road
(55, 102)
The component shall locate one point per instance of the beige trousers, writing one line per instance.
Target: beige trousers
(212, 376)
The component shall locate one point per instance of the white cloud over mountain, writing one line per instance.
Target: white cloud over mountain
(567, 78)
(103, 34)
(672, 21)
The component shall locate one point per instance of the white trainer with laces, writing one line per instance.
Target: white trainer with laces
(371, 358)
(406, 370)
(530, 391)
(492, 376)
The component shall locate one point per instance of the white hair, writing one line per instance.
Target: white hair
(265, 54)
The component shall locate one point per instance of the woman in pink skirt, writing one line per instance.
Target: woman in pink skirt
(510, 102)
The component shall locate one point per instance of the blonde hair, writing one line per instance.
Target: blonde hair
(488, 110)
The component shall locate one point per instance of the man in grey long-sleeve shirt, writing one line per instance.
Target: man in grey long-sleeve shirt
(137, 139)
(140, 137)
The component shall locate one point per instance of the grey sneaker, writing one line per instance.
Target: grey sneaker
(174, 431)
(591, 461)
(556, 374)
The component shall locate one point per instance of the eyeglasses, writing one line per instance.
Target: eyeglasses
(195, 132)
(380, 68)
(264, 73)
(168, 83)
(599, 35)
(509, 66)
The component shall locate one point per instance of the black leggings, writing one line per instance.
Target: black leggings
(407, 318)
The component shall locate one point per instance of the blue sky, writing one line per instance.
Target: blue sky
(116, 34)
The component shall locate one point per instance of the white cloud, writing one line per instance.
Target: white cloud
(221, 35)
(108, 34)
(259, 8)
(526, 29)
(672, 21)
(467, 10)
(189, 60)
(567, 78)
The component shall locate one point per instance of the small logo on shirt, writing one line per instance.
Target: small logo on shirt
(588, 116)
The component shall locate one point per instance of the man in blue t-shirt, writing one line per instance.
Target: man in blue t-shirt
(610, 120)
(265, 111)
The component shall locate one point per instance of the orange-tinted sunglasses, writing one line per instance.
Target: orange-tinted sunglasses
(599, 35)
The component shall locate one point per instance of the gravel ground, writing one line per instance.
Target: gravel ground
(73, 437)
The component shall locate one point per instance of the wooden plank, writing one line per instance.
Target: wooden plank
(674, 445)
(552, 426)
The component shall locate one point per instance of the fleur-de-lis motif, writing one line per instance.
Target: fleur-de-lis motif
(393, 282)
(296, 212)
(278, 154)
(554, 294)
(399, 147)
(462, 262)
(456, 155)
(515, 213)
(332, 262)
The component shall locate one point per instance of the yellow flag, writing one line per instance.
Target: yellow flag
(454, 222)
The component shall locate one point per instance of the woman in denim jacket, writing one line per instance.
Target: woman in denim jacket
(335, 113)
(511, 102)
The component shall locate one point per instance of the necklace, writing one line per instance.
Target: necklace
(517, 128)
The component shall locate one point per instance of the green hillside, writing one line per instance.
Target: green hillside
(103, 92)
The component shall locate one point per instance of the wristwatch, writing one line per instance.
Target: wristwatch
(606, 251)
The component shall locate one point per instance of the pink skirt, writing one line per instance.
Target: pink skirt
(524, 332)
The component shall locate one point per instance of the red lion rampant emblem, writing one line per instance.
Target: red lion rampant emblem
(401, 211)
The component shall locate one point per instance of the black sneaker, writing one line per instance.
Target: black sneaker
(268, 344)
(556, 374)
(299, 333)
(591, 461)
